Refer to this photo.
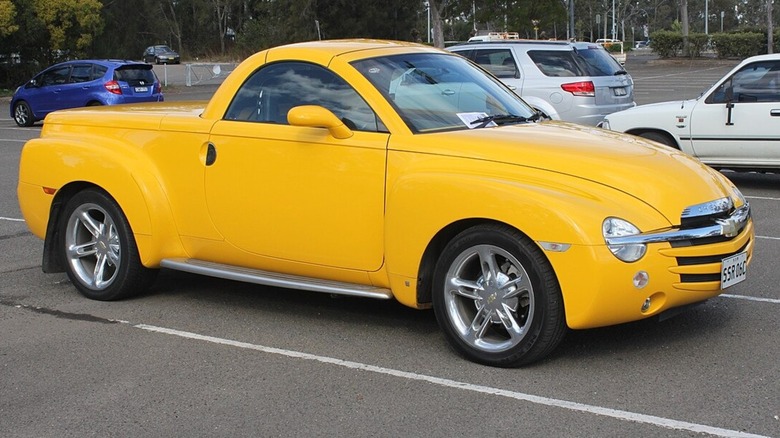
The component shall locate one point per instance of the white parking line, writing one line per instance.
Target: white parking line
(11, 219)
(13, 140)
(765, 198)
(745, 297)
(678, 74)
(545, 401)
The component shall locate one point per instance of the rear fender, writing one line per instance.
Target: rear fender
(121, 170)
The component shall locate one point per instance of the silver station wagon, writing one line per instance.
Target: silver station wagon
(574, 82)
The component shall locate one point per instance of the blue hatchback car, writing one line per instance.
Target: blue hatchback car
(80, 83)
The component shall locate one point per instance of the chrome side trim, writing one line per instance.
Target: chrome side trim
(728, 227)
(266, 278)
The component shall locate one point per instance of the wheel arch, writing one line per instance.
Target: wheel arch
(123, 173)
(661, 132)
(434, 250)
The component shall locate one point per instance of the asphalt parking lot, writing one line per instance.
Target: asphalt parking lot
(207, 357)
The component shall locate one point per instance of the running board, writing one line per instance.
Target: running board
(266, 278)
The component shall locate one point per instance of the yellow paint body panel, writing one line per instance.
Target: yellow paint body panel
(365, 209)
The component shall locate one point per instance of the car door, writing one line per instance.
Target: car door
(76, 91)
(738, 123)
(297, 193)
(45, 96)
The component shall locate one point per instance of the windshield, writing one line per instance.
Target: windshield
(598, 61)
(435, 92)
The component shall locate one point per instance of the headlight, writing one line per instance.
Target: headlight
(614, 227)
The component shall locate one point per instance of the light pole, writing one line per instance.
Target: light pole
(536, 28)
(428, 29)
(614, 25)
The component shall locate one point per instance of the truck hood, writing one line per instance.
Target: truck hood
(664, 178)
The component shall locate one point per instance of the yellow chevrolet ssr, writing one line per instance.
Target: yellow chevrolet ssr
(386, 170)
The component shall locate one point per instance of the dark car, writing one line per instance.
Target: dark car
(80, 83)
(161, 55)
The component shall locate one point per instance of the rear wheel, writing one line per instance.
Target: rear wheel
(23, 115)
(659, 137)
(100, 253)
(496, 297)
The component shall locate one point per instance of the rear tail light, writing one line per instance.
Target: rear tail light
(584, 88)
(113, 87)
(157, 88)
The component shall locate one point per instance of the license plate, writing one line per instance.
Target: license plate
(620, 91)
(733, 270)
(141, 89)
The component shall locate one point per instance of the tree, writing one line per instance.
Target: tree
(7, 17)
(71, 24)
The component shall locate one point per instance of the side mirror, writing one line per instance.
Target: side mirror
(32, 84)
(315, 116)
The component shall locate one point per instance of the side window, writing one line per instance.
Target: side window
(556, 63)
(500, 62)
(273, 90)
(81, 73)
(757, 82)
(56, 76)
(98, 71)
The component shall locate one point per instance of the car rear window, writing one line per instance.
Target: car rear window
(557, 63)
(598, 61)
(135, 74)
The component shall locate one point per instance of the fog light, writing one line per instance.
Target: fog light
(641, 279)
(646, 305)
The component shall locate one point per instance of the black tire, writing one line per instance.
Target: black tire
(98, 249)
(513, 317)
(659, 137)
(23, 115)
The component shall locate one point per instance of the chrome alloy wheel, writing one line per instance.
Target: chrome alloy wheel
(92, 246)
(22, 115)
(489, 298)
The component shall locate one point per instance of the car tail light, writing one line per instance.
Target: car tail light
(157, 88)
(584, 88)
(113, 87)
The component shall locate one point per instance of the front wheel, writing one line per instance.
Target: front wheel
(496, 297)
(23, 115)
(101, 256)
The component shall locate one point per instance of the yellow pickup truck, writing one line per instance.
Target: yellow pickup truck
(393, 171)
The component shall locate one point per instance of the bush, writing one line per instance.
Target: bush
(666, 43)
(697, 42)
(739, 45)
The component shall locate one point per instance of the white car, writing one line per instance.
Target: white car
(733, 125)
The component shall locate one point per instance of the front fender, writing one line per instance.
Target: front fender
(545, 206)
(121, 170)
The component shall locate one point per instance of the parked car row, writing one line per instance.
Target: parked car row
(732, 125)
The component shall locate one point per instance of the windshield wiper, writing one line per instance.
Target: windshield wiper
(620, 72)
(503, 119)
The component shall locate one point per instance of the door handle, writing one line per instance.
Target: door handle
(211, 154)
(774, 113)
